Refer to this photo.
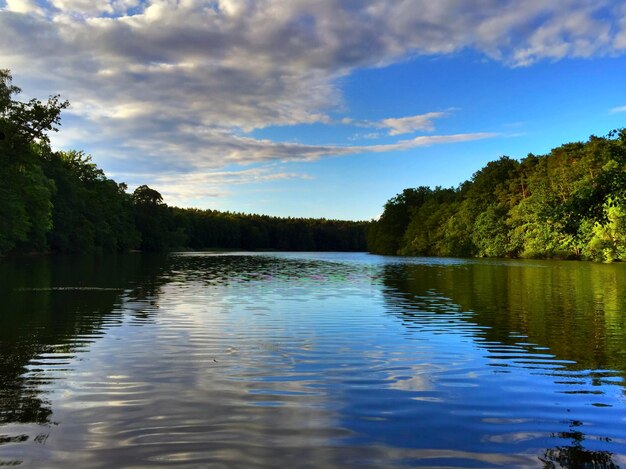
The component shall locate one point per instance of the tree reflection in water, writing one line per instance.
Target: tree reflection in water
(54, 307)
(564, 321)
(575, 455)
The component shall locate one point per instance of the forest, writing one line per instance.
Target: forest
(60, 201)
(567, 204)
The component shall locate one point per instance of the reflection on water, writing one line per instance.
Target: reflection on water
(52, 309)
(575, 455)
(574, 309)
(311, 360)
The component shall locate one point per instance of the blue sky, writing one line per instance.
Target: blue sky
(316, 108)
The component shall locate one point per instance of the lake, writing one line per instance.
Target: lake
(311, 360)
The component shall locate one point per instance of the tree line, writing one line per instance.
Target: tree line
(569, 204)
(61, 201)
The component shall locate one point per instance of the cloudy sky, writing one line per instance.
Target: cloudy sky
(323, 108)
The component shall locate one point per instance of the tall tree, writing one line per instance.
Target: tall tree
(26, 209)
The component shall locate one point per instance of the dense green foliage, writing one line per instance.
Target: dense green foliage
(88, 210)
(61, 201)
(570, 203)
(25, 191)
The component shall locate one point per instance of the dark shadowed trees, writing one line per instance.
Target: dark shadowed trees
(25, 191)
(90, 211)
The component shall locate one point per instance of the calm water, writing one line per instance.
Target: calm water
(311, 360)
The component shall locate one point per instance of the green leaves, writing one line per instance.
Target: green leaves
(25, 191)
(565, 204)
(144, 196)
(23, 123)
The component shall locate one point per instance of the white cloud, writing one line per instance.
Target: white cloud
(92, 7)
(405, 125)
(617, 110)
(399, 125)
(425, 141)
(619, 42)
(198, 179)
(23, 6)
(181, 189)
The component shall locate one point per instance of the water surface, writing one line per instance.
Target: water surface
(311, 360)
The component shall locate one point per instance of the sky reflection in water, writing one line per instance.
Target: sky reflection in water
(311, 360)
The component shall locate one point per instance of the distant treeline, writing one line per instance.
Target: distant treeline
(61, 201)
(570, 203)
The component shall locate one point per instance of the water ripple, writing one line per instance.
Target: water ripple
(307, 360)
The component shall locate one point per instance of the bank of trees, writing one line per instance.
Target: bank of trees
(570, 203)
(62, 202)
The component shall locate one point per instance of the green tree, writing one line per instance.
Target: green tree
(25, 212)
(608, 240)
(90, 211)
(566, 204)
(385, 235)
(155, 221)
(490, 232)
